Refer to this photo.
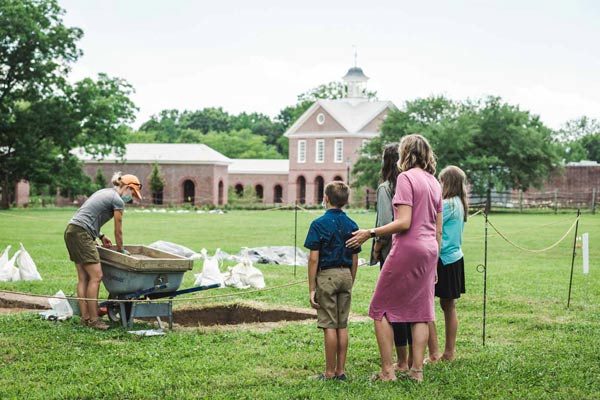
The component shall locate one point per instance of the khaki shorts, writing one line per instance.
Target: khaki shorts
(81, 245)
(334, 294)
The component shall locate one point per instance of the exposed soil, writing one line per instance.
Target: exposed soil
(234, 314)
(15, 303)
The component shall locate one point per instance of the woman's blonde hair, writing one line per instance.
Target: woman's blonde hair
(116, 179)
(454, 184)
(415, 152)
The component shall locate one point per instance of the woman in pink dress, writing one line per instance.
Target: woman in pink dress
(405, 289)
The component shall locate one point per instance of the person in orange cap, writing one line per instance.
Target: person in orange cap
(80, 238)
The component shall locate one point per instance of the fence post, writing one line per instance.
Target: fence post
(521, 200)
(594, 201)
(367, 199)
(555, 201)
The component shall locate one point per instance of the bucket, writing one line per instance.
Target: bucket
(74, 303)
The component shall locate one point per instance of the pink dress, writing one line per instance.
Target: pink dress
(405, 289)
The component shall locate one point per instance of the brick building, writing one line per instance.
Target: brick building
(326, 141)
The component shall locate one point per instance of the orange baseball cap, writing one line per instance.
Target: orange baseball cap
(133, 182)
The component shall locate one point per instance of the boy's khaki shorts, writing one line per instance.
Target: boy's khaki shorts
(334, 294)
(81, 245)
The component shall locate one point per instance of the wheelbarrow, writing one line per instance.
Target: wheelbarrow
(143, 274)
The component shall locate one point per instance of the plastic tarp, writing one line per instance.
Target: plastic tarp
(176, 249)
(61, 309)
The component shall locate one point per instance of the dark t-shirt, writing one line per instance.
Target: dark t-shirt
(328, 234)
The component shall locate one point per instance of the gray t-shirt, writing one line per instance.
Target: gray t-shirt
(97, 210)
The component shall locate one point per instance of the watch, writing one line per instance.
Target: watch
(372, 232)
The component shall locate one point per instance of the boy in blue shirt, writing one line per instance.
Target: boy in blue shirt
(331, 272)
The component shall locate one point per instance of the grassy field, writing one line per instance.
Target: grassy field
(535, 346)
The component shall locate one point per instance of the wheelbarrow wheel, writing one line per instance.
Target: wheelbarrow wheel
(114, 310)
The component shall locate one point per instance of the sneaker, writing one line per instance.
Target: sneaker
(322, 377)
(340, 377)
(98, 324)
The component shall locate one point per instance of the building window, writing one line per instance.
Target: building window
(301, 151)
(259, 191)
(338, 151)
(320, 151)
(278, 194)
(320, 118)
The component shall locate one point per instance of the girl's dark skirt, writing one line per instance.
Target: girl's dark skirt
(451, 279)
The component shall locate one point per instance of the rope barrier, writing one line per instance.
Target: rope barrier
(478, 238)
(161, 300)
(533, 250)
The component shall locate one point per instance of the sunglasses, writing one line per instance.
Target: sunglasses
(139, 185)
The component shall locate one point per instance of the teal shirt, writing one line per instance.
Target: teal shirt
(452, 229)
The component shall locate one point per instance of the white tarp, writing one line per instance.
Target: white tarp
(176, 249)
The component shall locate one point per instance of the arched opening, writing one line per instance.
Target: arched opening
(157, 197)
(278, 194)
(319, 188)
(189, 190)
(338, 178)
(301, 190)
(259, 191)
(239, 190)
(220, 193)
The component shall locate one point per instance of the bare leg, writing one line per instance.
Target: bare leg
(420, 334)
(402, 353)
(94, 272)
(451, 320)
(331, 346)
(434, 350)
(342, 351)
(385, 341)
(82, 283)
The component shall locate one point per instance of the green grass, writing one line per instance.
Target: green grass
(535, 347)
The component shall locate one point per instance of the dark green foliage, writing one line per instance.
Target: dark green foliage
(42, 116)
(497, 144)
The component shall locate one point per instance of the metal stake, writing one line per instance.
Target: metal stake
(295, 233)
(485, 276)
(573, 258)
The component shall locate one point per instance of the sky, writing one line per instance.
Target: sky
(258, 56)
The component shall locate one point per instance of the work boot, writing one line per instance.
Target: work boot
(84, 321)
(98, 324)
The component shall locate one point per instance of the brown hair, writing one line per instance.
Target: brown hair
(415, 152)
(389, 169)
(454, 183)
(337, 192)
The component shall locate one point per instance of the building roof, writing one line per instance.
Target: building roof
(263, 167)
(163, 153)
(583, 163)
(351, 114)
(355, 74)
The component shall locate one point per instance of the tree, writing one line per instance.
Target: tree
(240, 144)
(42, 117)
(580, 139)
(100, 179)
(210, 119)
(591, 143)
(157, 184)
(497, 144)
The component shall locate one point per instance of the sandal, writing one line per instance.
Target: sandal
(407, 376)
(98, 324)
(84, 321)
(380, 377)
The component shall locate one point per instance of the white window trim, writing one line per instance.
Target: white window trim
(322, 153)
(338, 143)
(301, 155)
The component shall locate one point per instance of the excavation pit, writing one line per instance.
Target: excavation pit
(235, 314)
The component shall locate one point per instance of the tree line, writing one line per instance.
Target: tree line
(43, 117)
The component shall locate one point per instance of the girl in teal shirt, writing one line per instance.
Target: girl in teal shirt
(451, 267)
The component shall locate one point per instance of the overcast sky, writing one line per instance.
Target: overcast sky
(259, 55)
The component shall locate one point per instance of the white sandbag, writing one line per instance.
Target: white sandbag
(211, 273)
(27, 269)
(8, 271)
(176, 249)
(61, 309)
(245, 275)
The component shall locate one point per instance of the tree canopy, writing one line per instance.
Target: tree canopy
(42, 116)
(495, 143)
